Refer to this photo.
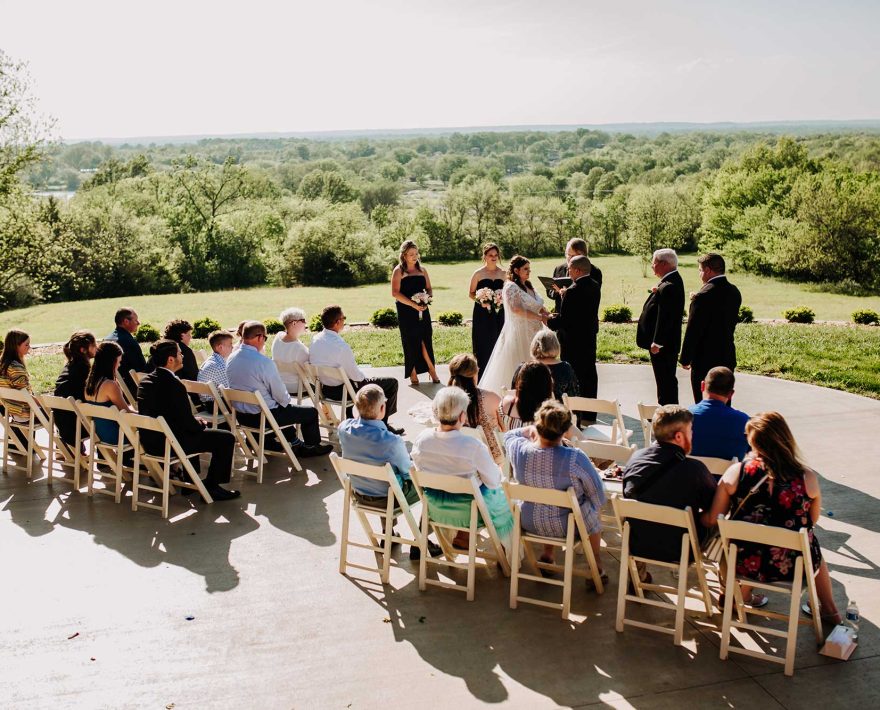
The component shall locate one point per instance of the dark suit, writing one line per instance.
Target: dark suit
(577, 323)
(132, 357)
(660, 324)
(70, 383)
(162, 394)
(561, 272)
(708, 338)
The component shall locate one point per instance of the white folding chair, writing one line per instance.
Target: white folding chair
(106, 460)
(716, 466)
(627, 510)
(70, 456)
(318, 373)
(781, 538)
(309, 385)
(129, 396)
(158, 467)
(256, 435)
(505, 465)
(27, 428)
(380, 542)
(492, 552)
(201, 356)
(216, 411)
(646, 416)
(614, 433)
(523, 541)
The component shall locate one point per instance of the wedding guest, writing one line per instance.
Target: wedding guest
(238, 332)
(180, 331)
(78, 350)
(14, 374)
(446, 450)
(127, 323)
(545, 349)
(787, 496)
(488, 319)
(103, 389)
(250, 370)
(408, 279)
(483, 410)
(538, 458)
(214, 368)
(287, 347)
(719, 429)
(534, 385)
(575, 247)
(328, 348)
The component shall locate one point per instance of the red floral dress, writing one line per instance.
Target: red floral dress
(783, 505)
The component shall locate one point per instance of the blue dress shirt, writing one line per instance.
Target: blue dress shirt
(369, 441)
(249, 370)
(719, 430)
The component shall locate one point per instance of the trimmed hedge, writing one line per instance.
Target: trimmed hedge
(384, 318)
(866, 317)
(203, 327)
(315, 324)
(147, 333)
(746, 315)
(617, 314)
(273, 325)
(799, 314)
(450, 318)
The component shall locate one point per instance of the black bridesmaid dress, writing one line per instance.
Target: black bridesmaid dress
(414, 331)
(486, 325)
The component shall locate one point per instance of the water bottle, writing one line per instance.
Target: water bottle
(852, 618)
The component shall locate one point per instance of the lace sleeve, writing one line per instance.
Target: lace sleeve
(519, 301)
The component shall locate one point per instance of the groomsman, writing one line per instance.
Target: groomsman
(712, 318)
(659, 329)
(575, 247)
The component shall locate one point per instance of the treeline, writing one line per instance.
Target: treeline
(223, 214)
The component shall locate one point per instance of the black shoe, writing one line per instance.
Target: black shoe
(305, 451)
(415, 553)
(220, 493)
(400, 431)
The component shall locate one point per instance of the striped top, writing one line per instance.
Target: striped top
(16, 378)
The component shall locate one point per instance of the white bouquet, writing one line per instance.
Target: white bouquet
(423, 298)
(499, 300)
(486, 298)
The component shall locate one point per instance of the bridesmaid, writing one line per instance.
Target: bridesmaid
(487, 324)
(408, 279)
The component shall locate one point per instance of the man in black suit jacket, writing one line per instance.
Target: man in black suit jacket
(659, 329)
(577, 323)
(132, 358)
(712, 318)
(575, 247)
(162, 394)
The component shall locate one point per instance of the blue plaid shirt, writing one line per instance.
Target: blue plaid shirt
(213, 370)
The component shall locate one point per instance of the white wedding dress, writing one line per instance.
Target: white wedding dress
(515, 339)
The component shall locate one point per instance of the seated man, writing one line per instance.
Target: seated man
(366, 439)
(214, 368)
(662, 474)
(251, 371)
(162, 394)
(328, 348)
(132, 357)
(719, 429)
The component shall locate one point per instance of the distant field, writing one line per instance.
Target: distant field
(622, 283)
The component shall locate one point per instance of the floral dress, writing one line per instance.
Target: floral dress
(782, 505)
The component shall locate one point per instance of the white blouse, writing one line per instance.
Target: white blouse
(289, 353)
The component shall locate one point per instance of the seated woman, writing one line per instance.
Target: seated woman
(545, 349)
(287, 347)
(79, 351)
(483, 408)
(534, 385)
(787, 496)
(446, 450)
(14, 374)
(103, 389)
(538, 458)
(180, 331)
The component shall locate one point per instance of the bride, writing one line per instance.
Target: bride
(524, 315)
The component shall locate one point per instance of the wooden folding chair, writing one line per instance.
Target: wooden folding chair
(798, 541)
(71, 457)
(627, 510)
(28, 429)
(505, 465)
(129, 396)
(106, 454)
(216, 411)
(615, 433)
(523, 541)
(309, 386)
(201, 356)
(494, 554)
(646, 417)
(291, 368)
(716, 466)
(158, 467)
(380, 542)
(256, 435)
(316, 372)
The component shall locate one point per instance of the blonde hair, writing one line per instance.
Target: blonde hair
(544, 344)
(770, 437)
(669, 419)
(552, 420)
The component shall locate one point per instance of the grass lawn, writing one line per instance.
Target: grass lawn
(622, 283)
(845, 358)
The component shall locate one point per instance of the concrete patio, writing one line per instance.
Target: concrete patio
(96, 599)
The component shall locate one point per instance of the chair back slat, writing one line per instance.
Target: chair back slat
(760, 534)
(444, 482)
(716, 466)
(665, 515)
(541, 496)
(364, 470)
(588, 404)
(601, 450)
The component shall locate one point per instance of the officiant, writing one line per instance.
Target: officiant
(575, 247)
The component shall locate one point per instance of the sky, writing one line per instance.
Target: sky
(118, 69)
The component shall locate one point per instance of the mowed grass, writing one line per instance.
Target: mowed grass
(841, 357)
(622, 283)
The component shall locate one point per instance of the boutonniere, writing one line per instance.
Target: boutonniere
(655, 289)
(693, 295)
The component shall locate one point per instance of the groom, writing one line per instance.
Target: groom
(577, 323)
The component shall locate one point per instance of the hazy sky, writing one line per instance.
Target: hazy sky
(116, 68)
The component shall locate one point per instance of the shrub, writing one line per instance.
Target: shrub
(866, 317)
(273, 325)
(746, 315)
(315, 324)
(450, 318)
(799, 314)
(617, 314)
(384, 318)
(147, 333)
(203, 327)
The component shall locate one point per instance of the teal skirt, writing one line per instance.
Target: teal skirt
(455, 509)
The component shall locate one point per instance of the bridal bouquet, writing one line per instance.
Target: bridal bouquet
(489, 299)
(423, 299)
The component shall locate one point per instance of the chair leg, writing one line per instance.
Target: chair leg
(624, 578)
(730, 590)
(346, 513)
(515, 561)
(793, 616)
(386, 549)
(472, 554)
(166, 487)
(423, 558)
(569, 569)
(814, 602)
(682, 589)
